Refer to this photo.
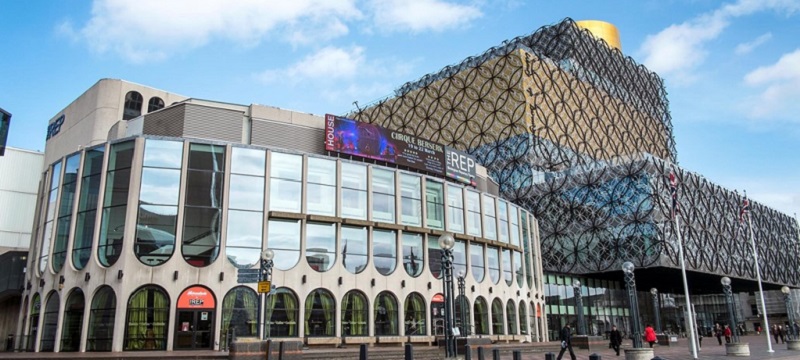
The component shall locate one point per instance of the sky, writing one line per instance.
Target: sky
(731, 68)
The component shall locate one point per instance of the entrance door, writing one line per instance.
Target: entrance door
(194, 330)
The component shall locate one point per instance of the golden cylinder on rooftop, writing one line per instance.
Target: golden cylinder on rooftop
(602, 30)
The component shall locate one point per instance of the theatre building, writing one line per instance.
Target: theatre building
(154, 209)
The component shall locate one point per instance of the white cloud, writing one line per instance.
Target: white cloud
(421, 15)
(327, 64)
(678, 50)
(745, 48)
(147, 30)
(782, 81)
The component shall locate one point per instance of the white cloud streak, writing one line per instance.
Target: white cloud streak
(678, 50)
(421, 15)
(746, 48)
(781, 80)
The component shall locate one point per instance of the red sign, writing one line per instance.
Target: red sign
(196, 297)
(438, 298)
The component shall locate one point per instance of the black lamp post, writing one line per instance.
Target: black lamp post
(633, 303)
(726, 289)
(576, 290)
(656, 309)
(787, 299)
(463, 303)
(264, 275)
(446, 243)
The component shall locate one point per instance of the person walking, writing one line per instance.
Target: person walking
(650, 335)
(699, 337)
(782, 334)
(727, 333)
(566, 342)
(615, 338)
(775, 334)
(718, 333)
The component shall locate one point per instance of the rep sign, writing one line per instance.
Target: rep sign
(460, 166)
(55, 127)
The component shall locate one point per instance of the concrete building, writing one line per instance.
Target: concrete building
(151, 224)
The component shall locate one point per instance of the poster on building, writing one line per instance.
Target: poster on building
(196, 297)
(374, 142)
(460, 166)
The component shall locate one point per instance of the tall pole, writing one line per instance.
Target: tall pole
(787, 300)
(656, 309)
(576, 290)
(446, 243)
(760, 288)
(726, 288)
(462, 299)
(633, 304)
(692, 332)
(264, 275)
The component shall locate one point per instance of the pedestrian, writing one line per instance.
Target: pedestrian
(758, 330)
(775, 334)
(718, 333)
(796, 329)
(616, 339)
(782, 333)
(699, 337)
(650, 335)
(566, 342)
(727, 333)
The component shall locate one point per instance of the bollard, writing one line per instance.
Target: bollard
(467, 353)
(409, 354)
(362, 352)
(495, 354)
(269, 349)
(595, 357)
(657, 358)
(517, 354)
(549, 356)
(280, 350)
(481, 355)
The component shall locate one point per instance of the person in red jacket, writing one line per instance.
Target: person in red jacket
(650, 335)
(727, 333)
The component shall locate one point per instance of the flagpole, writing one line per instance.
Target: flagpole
(760, 288)
(692, 332)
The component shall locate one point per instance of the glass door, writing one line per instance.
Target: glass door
(194, 330)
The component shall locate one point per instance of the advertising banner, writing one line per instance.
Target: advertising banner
(196, 297)
(460, 166)
(374, 142)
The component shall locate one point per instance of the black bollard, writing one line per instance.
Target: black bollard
(269, 349)
(517, 355)
(595, 357)
(280, 350)
(467, 353)
(362, 352)
(657, 358)
(549, 356)
(481, 355)
(409, 354)
(495, 354)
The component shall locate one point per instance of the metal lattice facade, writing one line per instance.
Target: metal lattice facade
(576, 132)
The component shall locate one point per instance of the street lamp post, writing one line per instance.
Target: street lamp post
(633, 303)
(726, 289)
(446, 243)
(264, 275)
(463, 302)
(787, 299)
(656, 309)
(576, 290)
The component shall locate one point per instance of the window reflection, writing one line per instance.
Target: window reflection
(473, 213)
(320, 246)
(411, 199)
(507, 274)
(414, 322)
(354, 248)
(384, 251)
(489, 218)
(321, 187)
(115, 202)
(413, 255)
(518, 268)
(514, 219)
(69, 182)
(382, 195)
(285, 182)
(476, 261)
(284, 240)
(55, 181)
(434, 256)
(354, 191)
(87, 206)
(460, 257)
(248, 161)
(494, 264)
(455, 209)
(502, 215)
(434, 204)
(385, 314)
(203, 211)
(245, 207)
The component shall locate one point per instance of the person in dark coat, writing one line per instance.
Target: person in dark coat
(615, 338)
(718, 333)
(566, 342)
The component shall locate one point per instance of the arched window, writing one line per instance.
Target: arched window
(354, 248)
(101, 320)
(385, 314)
(36, 308)
(462, 321)
(146, 323)
(415, 315)
(511, 317)
(481, 316)
(497, 317)
(49, 323)
(355, 314)
(320, 310)
(460, 257)
(283, 237)
(413, 254)
(523, 319)
(239, 314)
(507, 275)
(493, 257)
(518, 268)
(320, 245)
(87, 206)
(282, 313)
(203, 210)
(154, 104)
(476, 257)
(133, 105)
(158, 201)
(115, 203)
(44, 250)
(384, 250)
(434, 256)
(65, 210)
(73, 321)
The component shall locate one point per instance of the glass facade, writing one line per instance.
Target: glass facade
(87, 206)
(69, 182)
(245, 207)
(202, 217)
(115, 202)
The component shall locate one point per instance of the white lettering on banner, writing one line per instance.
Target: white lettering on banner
(329, 124)
(193, 293)
(461, 162)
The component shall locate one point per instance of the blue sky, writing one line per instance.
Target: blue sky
(731, 69)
